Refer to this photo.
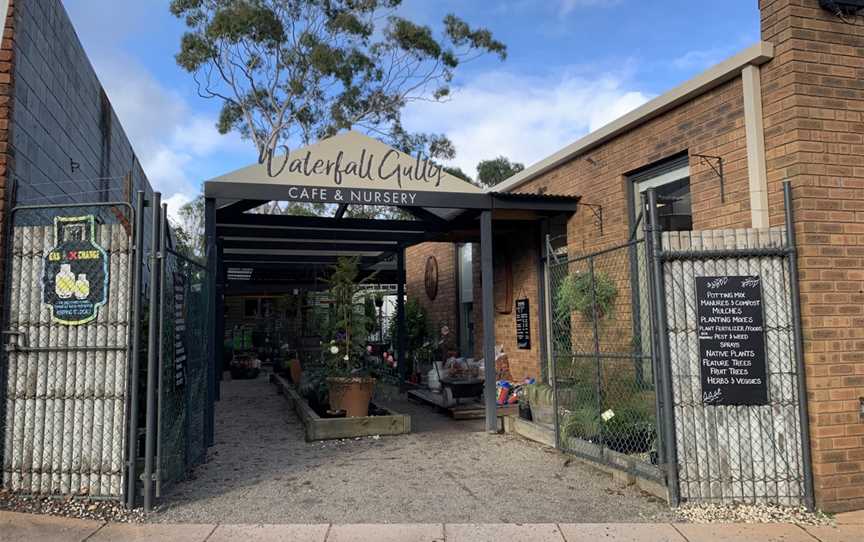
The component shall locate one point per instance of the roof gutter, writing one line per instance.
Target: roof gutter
(755, 55)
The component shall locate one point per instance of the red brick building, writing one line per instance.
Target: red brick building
(790, 107)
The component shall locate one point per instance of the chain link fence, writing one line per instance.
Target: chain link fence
(183, 372)
(602, 385)
(65, 366)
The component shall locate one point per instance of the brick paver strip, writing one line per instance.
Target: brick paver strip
(15, 527)
(620, 532)
(739, 532)
(135, 532)
(839, 533)
(496, 532)
(269, 533)
(850, 518)
(413, 532)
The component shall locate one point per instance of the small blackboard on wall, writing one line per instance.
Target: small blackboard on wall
(523, 325)
(731, 340)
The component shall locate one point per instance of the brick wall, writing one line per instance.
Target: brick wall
(519, 245)
(813, 97)
(7, 60)
(441, 310)
(711, 124)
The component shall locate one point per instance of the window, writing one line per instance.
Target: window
(671, 181)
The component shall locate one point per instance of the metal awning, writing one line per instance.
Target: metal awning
(349, 168)
(248, 250)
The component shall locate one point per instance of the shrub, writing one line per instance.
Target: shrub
(575, 294)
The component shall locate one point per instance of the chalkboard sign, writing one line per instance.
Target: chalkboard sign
(523, 325)
(731, 340)
(179, 330)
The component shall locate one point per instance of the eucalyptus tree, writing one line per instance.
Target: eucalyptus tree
(294, 71)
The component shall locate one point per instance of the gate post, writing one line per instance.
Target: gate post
(152, 354)
(663, 357)
(804, 418)
(138, 264)
(487, 281)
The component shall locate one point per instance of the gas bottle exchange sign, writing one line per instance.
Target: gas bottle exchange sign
(75, 271)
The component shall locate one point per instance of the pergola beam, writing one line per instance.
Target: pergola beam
(227, 232)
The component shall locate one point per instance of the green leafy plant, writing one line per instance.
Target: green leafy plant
(348, 321)
(577, 292)
(416, 326)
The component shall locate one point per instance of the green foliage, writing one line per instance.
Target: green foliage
(299, 70)
(577, 291)
(416, 326)
(632, 429)
(188, 229)
(492, 172)
(343, 353)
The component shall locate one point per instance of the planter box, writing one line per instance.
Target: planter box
(318, 428)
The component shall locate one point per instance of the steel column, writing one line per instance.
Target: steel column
(163, 234)
(137, 274)
(152, 355)
(212, 257)
(670, 446)
(401, 328)
(792, 263)
(487, 281)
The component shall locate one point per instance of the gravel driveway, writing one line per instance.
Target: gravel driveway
(262, 471)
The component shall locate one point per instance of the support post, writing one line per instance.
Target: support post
(219, 322)
(401, 328)
(658, 291)
(212, 365)
(163, 235)
(487, 280)
(137, 276)
(152, 355)
(792, 263)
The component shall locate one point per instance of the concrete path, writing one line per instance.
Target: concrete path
(16, 527)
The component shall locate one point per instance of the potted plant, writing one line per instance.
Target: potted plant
(350, 387)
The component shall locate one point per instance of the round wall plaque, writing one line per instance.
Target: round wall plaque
(431, 279)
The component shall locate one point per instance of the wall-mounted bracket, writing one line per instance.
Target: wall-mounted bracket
(598, 214)
(716, 164)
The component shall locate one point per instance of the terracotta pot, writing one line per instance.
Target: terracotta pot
(295, 370)
(351, 395)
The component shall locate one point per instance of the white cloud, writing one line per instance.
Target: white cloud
(175, 201)
(523, 118)
(170, 139)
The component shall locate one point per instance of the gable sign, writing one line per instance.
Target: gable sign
(348, 168)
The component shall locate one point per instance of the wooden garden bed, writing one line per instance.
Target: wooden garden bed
(318, 428)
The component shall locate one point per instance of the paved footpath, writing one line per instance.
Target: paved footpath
(15, 527)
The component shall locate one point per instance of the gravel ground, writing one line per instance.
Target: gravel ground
(262, 471)
(101, 510)
(750, 513)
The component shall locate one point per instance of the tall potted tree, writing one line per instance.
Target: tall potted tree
(350, 387)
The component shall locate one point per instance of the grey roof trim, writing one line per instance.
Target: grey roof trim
(756, 55)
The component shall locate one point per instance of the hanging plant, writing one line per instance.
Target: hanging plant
(576, 293)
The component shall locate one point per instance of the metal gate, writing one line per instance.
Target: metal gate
(65, 366)
(737, 452)
(603, 382)
(183, 369)
(627, 369)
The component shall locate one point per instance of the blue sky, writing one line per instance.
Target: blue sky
(572, 66)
